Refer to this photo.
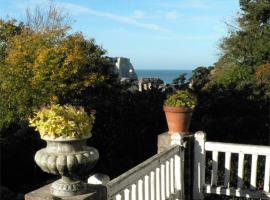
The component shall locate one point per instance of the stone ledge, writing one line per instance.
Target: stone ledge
(96, 192)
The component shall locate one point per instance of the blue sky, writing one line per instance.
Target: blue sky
(154, 34)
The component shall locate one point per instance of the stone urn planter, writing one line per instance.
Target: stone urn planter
(65, 128)
(178, 110)
(68, 158)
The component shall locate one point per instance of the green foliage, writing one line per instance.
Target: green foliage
(62, 121)
(181, 99)
(200, 77)
(248, 44)
(232, 75)
(180, 80)
(7, 30)
(233, 96)
(246, 47)
(38, 66)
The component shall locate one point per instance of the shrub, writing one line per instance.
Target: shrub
(62, 121)
(181, 99)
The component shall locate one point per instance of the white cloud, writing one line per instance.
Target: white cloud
(117, 30)
(187, 37)
(78, 9)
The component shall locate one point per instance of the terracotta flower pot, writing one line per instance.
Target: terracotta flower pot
(178, 119)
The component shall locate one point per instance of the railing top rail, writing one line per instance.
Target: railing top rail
(237, 148)
(128, 178)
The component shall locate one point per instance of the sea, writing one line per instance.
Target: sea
(166, 75)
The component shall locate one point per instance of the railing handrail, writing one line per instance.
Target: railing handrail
(237, 148)
(201, 187)
(122, 181)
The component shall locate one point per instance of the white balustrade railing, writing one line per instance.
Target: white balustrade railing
(242, 151)
(158, 178)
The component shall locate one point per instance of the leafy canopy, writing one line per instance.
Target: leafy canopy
(42, 61)
(246, 47)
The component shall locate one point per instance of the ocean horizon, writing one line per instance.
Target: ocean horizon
(167, 75)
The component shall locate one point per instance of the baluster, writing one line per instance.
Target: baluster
(139, 190)
(123, 194)
(167, 179)
(227, 169)
(214, 168)
(240, 170)
(157, 184)
(162, 181)
(152, 185)
(126, 194)
(177, 172)
(143, 189)
(117, 197)
(171, 176)
(253, 176)
(146, 191)
(267, 174)
(182, 156)
(131, 192)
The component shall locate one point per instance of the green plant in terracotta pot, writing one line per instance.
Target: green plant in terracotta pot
(178, 108)
(65, 129)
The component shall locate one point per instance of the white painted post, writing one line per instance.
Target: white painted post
(177, 139)
(199, 165)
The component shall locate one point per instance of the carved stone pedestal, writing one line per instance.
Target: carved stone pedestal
(94, 192)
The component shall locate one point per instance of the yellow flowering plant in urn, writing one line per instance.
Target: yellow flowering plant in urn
(65, 121)
(65, 128)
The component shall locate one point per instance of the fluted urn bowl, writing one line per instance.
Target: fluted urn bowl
(69, 158)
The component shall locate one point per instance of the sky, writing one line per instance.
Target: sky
(154, 34)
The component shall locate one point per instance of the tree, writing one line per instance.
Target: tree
(200, 77)
(7, 29)
(249, 44)
(42, 61)
(246, 47)
(233, 97)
